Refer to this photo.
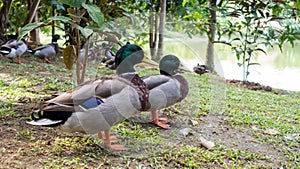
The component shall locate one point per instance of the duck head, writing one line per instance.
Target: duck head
(169, 65)
(127, 56)
(55, 38)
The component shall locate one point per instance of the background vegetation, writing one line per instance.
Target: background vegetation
(251, 129)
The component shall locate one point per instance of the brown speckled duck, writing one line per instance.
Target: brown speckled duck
(96, 106)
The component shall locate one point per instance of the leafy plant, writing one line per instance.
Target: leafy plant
(251, 24)
(84, 19)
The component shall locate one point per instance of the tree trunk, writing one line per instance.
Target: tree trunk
(53, 22)
(162, 16)
(153, 21)
(211, 36)
(4, 17)
(35, 34)
(152, 35)
(33, 8)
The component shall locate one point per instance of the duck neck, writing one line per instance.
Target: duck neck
(55, 45)
(24, 41)
(140, 86)
(125, 69)
(166, 73)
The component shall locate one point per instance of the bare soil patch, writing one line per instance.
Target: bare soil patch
(254, 86)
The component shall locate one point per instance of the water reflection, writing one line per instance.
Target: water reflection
(277, 69)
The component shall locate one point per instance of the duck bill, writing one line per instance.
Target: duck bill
(149, 61)
(184, 69)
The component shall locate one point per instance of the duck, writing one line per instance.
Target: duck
(166, 88)
(82, 55)
(47, 51)
(14, 49)
(93, 107)
(109, 57)
(201, 69)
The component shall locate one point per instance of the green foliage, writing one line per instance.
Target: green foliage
(73, 3)
(248, 25)
(95, 13)
(192, 17)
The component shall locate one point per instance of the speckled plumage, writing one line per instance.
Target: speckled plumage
(119, 97)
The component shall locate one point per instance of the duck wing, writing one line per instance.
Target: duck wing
(83, 102)
(102, 88)
(153, 81)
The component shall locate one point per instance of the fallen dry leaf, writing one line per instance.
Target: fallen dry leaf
(69, 56)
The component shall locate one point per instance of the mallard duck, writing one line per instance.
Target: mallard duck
(201, 69)
(14, 48)
(96, 106)
(46, 51)
(166, 89)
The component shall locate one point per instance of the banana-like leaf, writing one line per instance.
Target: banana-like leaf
(69, 56)
(95, 13)
(85, 31)
(29, 27)
(59, 18)
(73, 3)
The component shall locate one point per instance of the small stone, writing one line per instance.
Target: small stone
(254, 128)
(185, 131)
(207, 144)
(292, 137)
(194, 122)
(271, 132)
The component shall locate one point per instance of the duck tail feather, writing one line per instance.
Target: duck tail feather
(45, 122)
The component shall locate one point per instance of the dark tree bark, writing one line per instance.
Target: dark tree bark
(162, 16)
(4, 17)
(35, 34)
(156, 32)
(32, 11)
(153, 21)
(211, 36)
(53, 23)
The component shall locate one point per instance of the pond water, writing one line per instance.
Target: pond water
(277, 69)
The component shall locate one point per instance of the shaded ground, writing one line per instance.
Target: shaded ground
(236, 121)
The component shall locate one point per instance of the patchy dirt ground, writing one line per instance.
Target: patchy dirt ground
(254, 86)
(238, 131)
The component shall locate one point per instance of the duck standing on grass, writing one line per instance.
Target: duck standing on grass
(14, 48)
(47, 51)
(201, 69)
(166, 89)
(96, 106)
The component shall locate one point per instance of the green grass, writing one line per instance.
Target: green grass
(236, 121)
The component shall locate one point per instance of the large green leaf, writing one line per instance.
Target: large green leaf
(29, 27)
(59, 5)
(85, 31)
(60, 18)
(73, 3)
(95, 13)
